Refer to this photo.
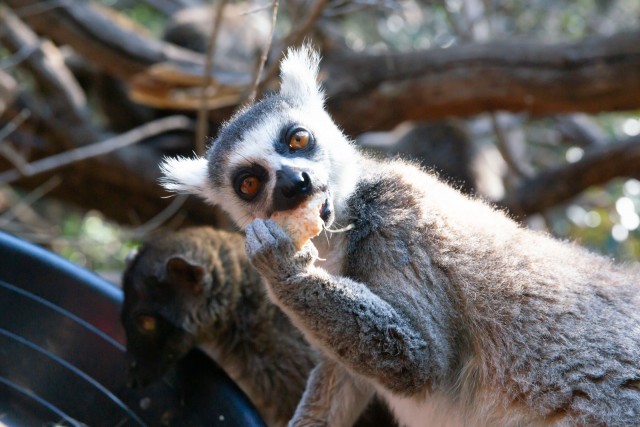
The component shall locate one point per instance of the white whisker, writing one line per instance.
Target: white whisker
(341, 230)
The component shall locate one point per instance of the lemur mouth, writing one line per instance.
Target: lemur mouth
(326, 212)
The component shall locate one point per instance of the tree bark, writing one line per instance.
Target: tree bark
(378, 91)
(559, 184)
(119, 51)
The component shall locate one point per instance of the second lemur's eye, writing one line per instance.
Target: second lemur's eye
(298, 138)
(146, 323)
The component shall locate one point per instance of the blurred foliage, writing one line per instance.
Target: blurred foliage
(93, 242)
(423, 24)
(604, 219)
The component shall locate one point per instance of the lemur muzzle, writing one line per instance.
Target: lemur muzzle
(292, 187)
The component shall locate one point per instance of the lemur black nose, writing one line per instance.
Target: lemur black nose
(292, 187)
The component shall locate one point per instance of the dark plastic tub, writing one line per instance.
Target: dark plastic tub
(62, 355)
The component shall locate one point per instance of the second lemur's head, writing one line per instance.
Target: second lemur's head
(275, 154)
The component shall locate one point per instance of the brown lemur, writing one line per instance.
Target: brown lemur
(442, 305)
(196, 288)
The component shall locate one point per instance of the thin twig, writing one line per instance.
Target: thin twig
(14, 124)
(21, 55)
(203, 113)
(6, 150)
(295, 37)
(15, 158)
(27, 218)
(454, 24)
(355, 6)
(504, 147)
(503, 143)
(41, 7)
(265, 53)
(29, 200)
(53, 77)
(161, 217)
(256, 10)
(111, 144)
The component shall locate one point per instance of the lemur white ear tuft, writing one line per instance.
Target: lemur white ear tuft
(299, 74)
(184, 175)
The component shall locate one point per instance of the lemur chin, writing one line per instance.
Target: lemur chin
(434, 301)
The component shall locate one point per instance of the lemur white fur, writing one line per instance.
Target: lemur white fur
(442, 305)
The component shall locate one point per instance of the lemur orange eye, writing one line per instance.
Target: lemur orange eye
(299, 139)
(249, 180)
(250, 186)
(146, 323)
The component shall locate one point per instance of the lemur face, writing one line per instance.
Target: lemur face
(271, 158)
(158, 292)
(275, 154)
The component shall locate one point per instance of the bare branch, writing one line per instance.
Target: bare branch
(353, 6)
(97, 149)
(592, 75)
(26, 201)
(203, 113)
(559, 184)
(8, 91)
(510, 144)
(47, 66)
(511, 148)
(265, 53)
(161, 217)
(119, 51)
(295, 37)
(582, 130)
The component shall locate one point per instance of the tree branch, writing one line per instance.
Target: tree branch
(559, 184)
(592, 75)
(8, 90)
(46, 64)
(99, 148)
(202, 129)
(120, 52)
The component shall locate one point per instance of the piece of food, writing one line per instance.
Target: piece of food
(302, 223)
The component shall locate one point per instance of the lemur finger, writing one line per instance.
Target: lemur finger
(251, 242)
(283, 239)
(263, 233)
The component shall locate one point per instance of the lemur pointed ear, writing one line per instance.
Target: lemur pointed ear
(185, 175)
(187, 275)
(299, 74)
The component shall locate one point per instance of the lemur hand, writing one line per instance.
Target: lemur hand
(272, 252)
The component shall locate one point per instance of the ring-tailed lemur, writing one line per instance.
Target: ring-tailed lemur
(448, 309)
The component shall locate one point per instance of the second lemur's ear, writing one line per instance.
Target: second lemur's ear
(185, 175)
(185, 274)
(299, 74)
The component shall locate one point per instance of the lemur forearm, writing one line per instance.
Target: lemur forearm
(333, 397)
(333, 310)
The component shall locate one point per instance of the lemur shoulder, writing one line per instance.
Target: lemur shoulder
(439, 303)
